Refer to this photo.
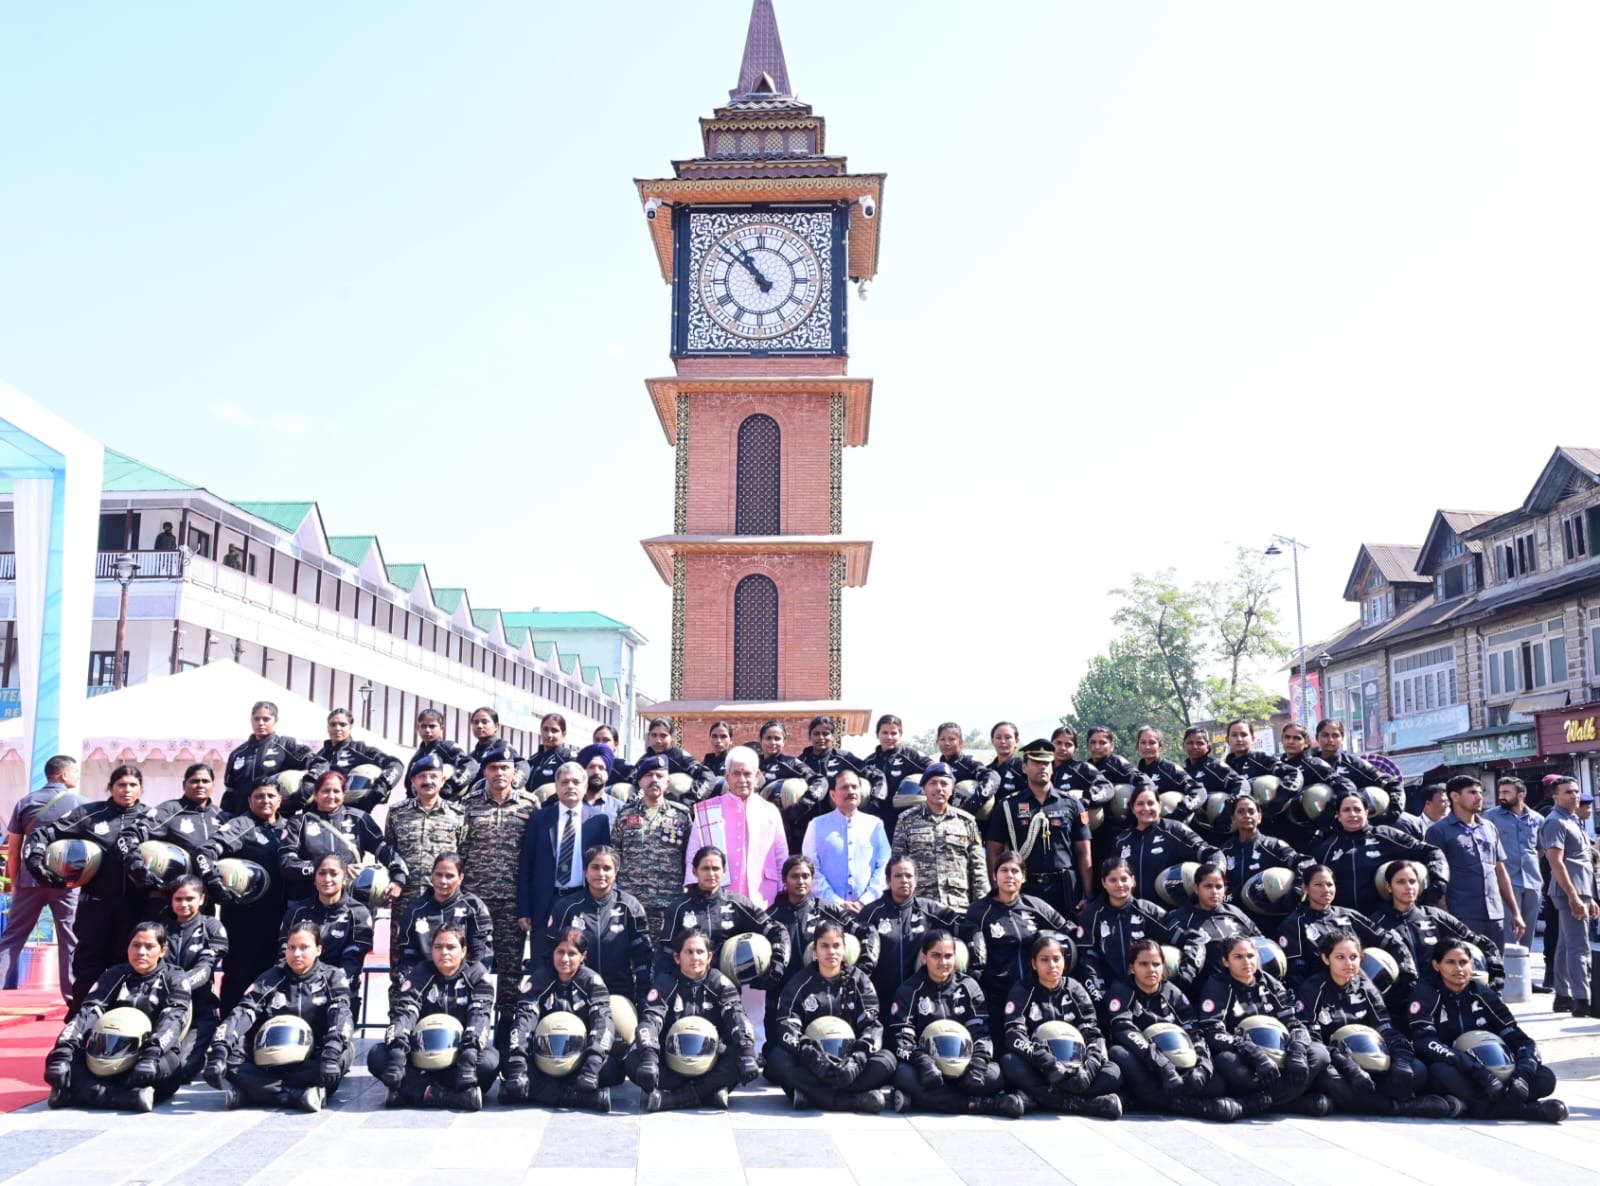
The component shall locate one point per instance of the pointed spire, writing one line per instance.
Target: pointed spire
(763, 70)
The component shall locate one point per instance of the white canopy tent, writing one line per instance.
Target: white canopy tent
(165, 724)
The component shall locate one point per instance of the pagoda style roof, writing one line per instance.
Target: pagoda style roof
(665, 392)
(663, 549)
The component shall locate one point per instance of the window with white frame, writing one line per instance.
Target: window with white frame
(1528, 658)
(1423, 680)
(1575, 534)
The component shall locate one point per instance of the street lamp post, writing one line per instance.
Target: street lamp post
(365, 692)
(123, 569)
(1273, 549)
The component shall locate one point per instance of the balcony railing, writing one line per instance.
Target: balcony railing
(151, 565)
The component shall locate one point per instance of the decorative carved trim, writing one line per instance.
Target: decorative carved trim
(680, 605)
(836, 568)
(836, 465)
(680, 478)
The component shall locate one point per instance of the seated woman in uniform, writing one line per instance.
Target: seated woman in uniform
(438, 1051)
(720, 915)
(120, 1050)
(1003, 927)
(445, 902)
(694, 1042)
(800, 915)
(1473, 1047)
(1211, 918)
(1319, 915)
(1372, 1067)
(1420, 927)
(290, 1040)
(826, 1050)
(1262, 1051)
(197, 944)
(1040, 1016)
(1114, 920)
(560, 1052)
(939, 1030)
(344, 924)
(614, 920)
(1157, 1044)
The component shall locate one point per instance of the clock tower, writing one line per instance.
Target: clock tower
(759, 236)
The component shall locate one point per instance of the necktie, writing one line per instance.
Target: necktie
(569, 840)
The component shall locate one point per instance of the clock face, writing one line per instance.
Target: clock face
(759, 280)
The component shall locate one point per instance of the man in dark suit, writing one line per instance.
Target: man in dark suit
(551, 861)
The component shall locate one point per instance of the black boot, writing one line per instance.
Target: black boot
(1312, 1103)
(868, 1103)
(1222, 1109)
(1008, 1103)
(1551, 1111)
(1254, 1103)
(1561, 1004)
(1105, 1107)
(1580, 1007)
(1425, 1107)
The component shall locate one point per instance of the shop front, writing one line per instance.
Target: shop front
(1495, 750)
(1571, 738)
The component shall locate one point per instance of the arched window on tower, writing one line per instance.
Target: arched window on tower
(758, 494)
(755, 639)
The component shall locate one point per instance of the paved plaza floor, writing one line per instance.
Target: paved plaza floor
(192, 1141)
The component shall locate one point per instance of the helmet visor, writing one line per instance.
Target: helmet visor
(1367, 1045)
(1493, 1055)
(559, 1046)
(1065, 1050)
(435, 1040)
(689, 1045)
(112, 1047)
(1173, 1041)
(949, 1047)
(1267, 1037)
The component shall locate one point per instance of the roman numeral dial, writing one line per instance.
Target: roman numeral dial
(760, 280)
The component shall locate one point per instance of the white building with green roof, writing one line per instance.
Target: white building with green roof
(264, 585)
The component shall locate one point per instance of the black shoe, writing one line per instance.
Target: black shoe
(1551, 1111)
(1562, 1004)
(1426, 1107)
(1543, 988)
(58, 1098)
(802, 1102)
(719, 1099)
(652, 1102)
(1009, 1103)
(1580, 1007)
(600, 1101)
(1222, 1109)
(1312, 1103)
(899, 1101)
(868, 1103)
(1104, 1107)
(470, 1100)
(141, 1099)
(309, 1100)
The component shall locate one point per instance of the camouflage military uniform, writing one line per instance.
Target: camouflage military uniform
(489, 851)
(651, 843)
(949, 853)
(418, 834)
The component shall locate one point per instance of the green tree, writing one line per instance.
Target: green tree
(1182, 655)
(927, 741)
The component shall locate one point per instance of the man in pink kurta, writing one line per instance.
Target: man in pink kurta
(746, 827)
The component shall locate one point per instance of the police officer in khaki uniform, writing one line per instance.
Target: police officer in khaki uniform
(496, 816)
(650, 832)
(944, 841)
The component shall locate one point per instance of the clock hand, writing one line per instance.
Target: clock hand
(743, 257)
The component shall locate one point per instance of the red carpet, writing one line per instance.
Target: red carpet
(29, 1023)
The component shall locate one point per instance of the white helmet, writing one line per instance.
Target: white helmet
(558, 1043)
(949, 1044)
(1064, 1041)
(114, 1043)
(1267, 1033)
(832, 1033)
(1173, 1041)
(435, 1042)
(744, 958)
(691, 1046)
(283, 1041)
(1365, 1045)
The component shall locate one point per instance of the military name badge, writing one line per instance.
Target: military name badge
(809, 1004)
(924, 1005)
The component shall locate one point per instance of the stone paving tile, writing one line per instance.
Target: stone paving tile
(601, 1142)
(24, 1150)
(991, 1158)
(782, 1148)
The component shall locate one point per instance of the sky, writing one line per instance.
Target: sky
(1157, 281)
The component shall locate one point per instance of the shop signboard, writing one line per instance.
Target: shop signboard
(1424, 728)
(1509, 745)
(1569, 730)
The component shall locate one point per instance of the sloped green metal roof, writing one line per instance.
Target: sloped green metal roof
(583, 619)
(483, 619)
(121, 474)
(448, 599)
(287, 515)
(515, 635)
(569, 664)
(352, 549)
(404, 575)
(591, 674)
(609, 684)
(543, 650)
